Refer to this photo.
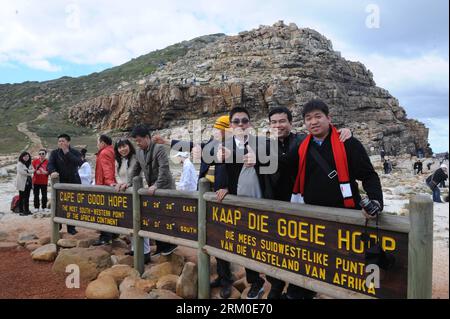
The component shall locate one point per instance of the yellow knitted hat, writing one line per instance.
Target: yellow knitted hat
(222, 123)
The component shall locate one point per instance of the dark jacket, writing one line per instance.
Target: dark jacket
(66, 165)
(154, 162)
(323, 191)
(234, 167)
(436, 178)
(283, 180)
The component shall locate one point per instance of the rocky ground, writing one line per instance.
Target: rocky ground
(111, 275)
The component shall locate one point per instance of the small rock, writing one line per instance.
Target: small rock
(120, 272)
(168, 282)
(102, 288)
(44, 241)
(162, 294)
(32, 246)
(85, 243)
(26, 237)
(187, 283)
(134, 293)
(114, 260)
(45, 253)
(3, 236)
(67, 243)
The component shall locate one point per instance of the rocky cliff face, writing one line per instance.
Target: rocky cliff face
(279, 65)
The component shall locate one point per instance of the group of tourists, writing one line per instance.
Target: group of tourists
(318, 168)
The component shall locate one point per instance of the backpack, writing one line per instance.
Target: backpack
(15, 204)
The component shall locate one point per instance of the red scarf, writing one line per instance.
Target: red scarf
(340, 158)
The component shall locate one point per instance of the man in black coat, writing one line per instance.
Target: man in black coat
(64, 163)
(280, 120)
(242, 150)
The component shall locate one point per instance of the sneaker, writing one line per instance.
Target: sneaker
(157, 253)
(216, 283)
(25, 213)
(256, 290)
(72, 231)
(168, 250)
(274, 294)
(225, 292)
(100, 242)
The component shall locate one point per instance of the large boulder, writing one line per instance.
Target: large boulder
(168, 282)
(91, 261)
(159, 270)
(188, 282)
(119, 273)
(102, 288)
(176, 260)
(162, 294)
(45, 253)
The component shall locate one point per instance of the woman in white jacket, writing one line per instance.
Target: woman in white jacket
(24, 183)
(85, 170)
(125, 161)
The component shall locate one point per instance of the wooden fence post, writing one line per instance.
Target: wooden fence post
(420, 248)
(138, 240)
(203, 258)
(54, 226)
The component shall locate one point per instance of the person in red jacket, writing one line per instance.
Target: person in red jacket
(105, 174)
(40, 180)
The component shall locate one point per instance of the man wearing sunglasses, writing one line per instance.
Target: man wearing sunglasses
(241, 151)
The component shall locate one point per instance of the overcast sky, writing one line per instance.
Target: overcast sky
(404, 43)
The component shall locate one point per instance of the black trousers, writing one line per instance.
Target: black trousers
(43, 190)
(224, 272)
(252, 276)
(293, 291)
(24, 200)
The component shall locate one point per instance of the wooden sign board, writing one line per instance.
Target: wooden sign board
(328, 251)
(112, 209)
(173, 216)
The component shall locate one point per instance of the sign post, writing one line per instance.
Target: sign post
(138, 256)
(54, 226)
(203, 257)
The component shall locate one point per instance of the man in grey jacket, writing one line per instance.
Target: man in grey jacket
(152, 159)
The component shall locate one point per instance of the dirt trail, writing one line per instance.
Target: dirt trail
(36, 143)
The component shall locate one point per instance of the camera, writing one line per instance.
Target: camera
(376, 255)
(372, 207)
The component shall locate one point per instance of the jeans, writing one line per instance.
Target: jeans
(437, 195)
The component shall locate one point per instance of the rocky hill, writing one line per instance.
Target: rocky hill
(25, 101)
(279, 65)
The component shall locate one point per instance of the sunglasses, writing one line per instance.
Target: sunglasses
(239, 121)
(42, 153)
